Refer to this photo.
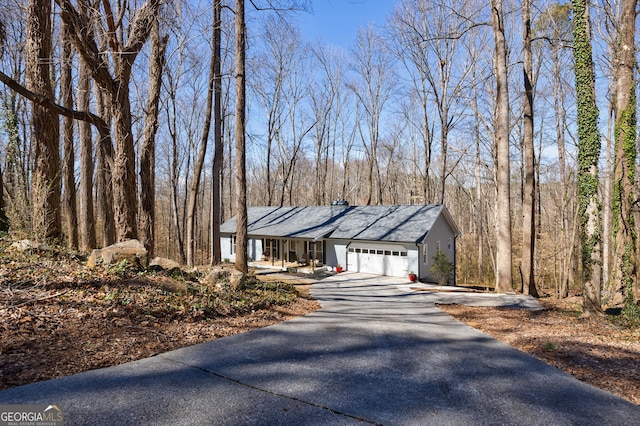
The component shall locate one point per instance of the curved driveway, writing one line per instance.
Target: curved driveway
(377, 352)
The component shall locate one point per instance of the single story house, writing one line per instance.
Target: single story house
(384, 240)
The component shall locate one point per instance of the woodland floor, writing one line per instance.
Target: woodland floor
(58, 318)
(604, 352)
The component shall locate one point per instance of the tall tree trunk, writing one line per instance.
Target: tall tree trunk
(125, 198)
(4, 220)
(607, 211)
(87, 219)
(148, 147)
(625, 265)
(501, 130)
(444, 135)
(588, 155)
(216, 204)
(529, 196)
(567, 241)
(427, 139)
(478, 178)
(241, 168)
(116, 84)
(66, 90)
(204, 141)
(45, 186)
(103, 175)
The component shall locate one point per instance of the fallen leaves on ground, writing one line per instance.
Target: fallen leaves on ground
(58, 318)
(594, 350)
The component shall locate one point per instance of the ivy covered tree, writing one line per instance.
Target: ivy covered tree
(588, 153)
(624, 226)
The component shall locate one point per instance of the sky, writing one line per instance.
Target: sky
(337, 22)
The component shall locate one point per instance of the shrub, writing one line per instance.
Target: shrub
(441, 268)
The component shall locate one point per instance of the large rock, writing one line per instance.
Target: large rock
(237, 279)
(165, 264)
(225, 278)
(216, 274)
(132, 250)
(28, 245)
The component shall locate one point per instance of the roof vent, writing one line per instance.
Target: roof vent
(340, 203)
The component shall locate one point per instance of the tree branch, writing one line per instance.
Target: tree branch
(85, 44)
(98, 122)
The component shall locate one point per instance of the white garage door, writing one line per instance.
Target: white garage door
(385, 259)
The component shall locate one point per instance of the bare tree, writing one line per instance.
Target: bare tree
(195, 183)
(431, 37)
(373, 89)
(4, 220)
(124, 50)
(87, 219)
(148, 146)
(66, 89)
(104, 161)
(272, 68)
(216, 172)
(529, 193)
(46, 174)
(240, 136)
(501, 135)
(625, 198)
(555, 26)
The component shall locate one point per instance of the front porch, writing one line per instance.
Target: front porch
(285, 254)
(291, 267)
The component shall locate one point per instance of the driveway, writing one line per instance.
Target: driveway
(377, 352)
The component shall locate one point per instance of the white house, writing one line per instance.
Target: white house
(384, 240)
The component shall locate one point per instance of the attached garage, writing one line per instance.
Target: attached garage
(380, 240)
(379, 259)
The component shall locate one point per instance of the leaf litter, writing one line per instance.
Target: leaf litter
(58, 317)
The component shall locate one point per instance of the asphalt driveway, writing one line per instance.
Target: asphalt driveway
(377, 352)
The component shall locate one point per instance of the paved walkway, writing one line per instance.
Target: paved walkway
(376, 353)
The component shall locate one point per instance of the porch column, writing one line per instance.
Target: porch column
(282, 244)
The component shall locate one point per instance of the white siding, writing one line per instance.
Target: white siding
(440, 234)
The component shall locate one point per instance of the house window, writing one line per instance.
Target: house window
(233, 244)
(319, 251)
(449, 245)
(425, 253)
(438, 245)
(270, 250)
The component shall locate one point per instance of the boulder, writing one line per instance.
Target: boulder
(165, 283)
(225, 278)
(27, 245)
(236, 279)
(171, 285)
(132, 250)
(215, 275)
(165, 264)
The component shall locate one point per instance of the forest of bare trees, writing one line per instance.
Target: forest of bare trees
(160, 120)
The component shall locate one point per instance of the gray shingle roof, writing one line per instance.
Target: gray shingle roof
(372, 223)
